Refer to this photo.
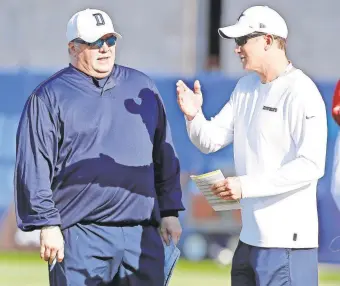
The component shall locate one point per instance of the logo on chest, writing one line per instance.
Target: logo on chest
(268, 108)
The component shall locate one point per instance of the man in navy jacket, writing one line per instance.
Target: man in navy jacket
(96, 169)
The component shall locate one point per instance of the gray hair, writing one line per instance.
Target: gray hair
(77, 48)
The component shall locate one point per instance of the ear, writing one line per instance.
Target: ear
(71, 47)
(269, 41)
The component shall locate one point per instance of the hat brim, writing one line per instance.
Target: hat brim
(235, 31)
(102, 33)
(119, 36)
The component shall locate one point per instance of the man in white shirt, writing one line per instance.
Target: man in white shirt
(276, 119)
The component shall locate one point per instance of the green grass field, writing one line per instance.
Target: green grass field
(26, 269)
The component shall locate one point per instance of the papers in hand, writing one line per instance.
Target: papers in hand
(204, 183)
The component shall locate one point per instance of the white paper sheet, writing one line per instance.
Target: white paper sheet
(204, 183)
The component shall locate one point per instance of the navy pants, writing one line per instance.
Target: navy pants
(107, 255)
(257, 266)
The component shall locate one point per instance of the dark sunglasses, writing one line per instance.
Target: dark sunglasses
(111, 41)
(241, 41)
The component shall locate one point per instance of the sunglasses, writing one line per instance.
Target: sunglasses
(111, 41)
(241, 41)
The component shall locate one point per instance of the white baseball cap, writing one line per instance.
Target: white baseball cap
(256, 19)
(89, 25)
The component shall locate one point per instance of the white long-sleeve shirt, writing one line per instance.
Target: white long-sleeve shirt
(279, 131)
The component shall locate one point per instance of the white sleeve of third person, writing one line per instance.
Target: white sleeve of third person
(212, 135)
(308, 129)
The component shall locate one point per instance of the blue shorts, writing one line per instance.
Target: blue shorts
(107, 255)
(257, 266)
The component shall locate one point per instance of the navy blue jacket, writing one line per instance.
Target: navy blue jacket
(95, 151)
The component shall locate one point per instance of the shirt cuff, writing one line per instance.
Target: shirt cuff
(169, 213)
(246, 187)
(197, 117)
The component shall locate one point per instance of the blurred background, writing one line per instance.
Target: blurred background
(168, 40)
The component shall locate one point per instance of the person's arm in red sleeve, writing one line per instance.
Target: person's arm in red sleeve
(336, 104)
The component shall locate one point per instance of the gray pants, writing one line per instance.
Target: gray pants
(107, 255)
(257, 266)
